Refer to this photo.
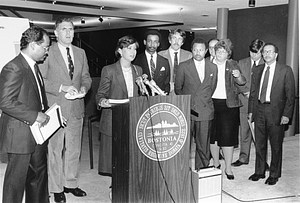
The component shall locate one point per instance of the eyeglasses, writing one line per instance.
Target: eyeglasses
(221, 52)
(45, 48)
(268, 52)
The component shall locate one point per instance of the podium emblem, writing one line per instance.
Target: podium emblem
(161, 131)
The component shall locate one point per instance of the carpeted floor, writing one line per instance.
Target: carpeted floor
(238, 190)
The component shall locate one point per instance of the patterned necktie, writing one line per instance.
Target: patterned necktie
(70, 62)
(42, 87)
(175, 65)
(152, 66)
(264, 86)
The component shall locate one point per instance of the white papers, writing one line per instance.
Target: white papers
(41, 134)
(118, 101)
(74, 96)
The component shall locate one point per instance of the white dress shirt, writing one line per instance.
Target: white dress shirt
(270, 81)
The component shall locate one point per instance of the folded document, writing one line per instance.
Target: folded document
(41, 134)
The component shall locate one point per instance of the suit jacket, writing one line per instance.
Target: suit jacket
(55, 73)
(282, 95)
(246, 68)
(233, 85)
(187, 82)
(113, 86)
(20, 103)
(183, 56)
(162, 70)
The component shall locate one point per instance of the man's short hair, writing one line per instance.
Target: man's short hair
(32, 34)
(152, 32)
(256, 46)
(180, 32)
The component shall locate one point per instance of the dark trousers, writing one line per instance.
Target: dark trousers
(265, 128)
(27, 172)
(201, 131)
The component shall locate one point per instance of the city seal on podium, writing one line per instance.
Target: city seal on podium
(161, 131)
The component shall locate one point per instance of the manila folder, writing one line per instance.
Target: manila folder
(41, 134)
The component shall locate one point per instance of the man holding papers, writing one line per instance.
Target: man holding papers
(67, 80)
(23, 101)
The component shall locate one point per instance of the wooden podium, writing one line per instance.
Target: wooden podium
(146, 130)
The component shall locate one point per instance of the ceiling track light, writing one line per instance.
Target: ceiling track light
(251, 3)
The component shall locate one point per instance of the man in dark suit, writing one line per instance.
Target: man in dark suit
(155, 66)
(23, 101)
(271, 106)
(66, 73)
(246, 66)
(175, 54)
(198, 77)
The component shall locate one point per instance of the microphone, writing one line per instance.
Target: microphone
(153, 83)
(142, 87)
(147, 82)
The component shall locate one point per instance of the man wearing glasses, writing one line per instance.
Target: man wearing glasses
(271, 107)
(23, 101)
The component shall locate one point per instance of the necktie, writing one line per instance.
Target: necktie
(254, 65)
(264, 86)
(42, 87)
(70, 62)
(152, 66)
(175, 64)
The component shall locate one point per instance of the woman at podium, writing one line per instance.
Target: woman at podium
(118, 82)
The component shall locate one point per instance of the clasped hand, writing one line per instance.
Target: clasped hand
(42, 118)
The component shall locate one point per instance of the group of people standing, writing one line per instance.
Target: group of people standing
(224, 93)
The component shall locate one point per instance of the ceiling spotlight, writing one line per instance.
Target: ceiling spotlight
(251, 3)
(82, 21)
(100, 19)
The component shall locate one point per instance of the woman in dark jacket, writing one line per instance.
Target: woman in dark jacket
(226, 103)
(117, 82)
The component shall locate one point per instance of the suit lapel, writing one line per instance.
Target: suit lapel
(194, 73)
(206, 72)
(58, 55)
(158, 67)
(276, 76)
(76, 60)
(120, 78)
(30, 75)
(135, 74)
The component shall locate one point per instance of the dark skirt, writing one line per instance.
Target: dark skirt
(105, 155)
(225, 126)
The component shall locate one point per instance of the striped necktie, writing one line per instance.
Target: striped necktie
(152, 66)
(175, 65)
(70, 63)
(263, 92)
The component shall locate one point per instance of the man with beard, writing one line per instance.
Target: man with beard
(198, 77)
(155, 66)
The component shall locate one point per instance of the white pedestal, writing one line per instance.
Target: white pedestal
(207, 185)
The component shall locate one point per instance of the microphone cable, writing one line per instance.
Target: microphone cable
(156, 153)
